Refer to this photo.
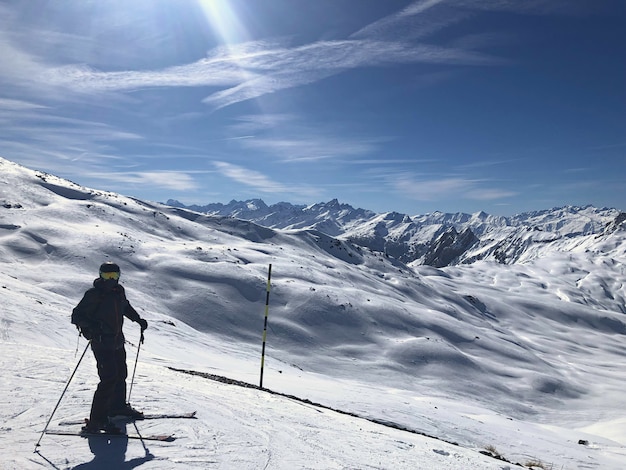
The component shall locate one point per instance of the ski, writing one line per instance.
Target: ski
(151, 437)
(191, 415)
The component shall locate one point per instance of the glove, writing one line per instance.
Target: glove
(143, 323)
(87, 333)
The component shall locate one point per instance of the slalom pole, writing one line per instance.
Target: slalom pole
(62, 394)
(135, 368)
(267, 305)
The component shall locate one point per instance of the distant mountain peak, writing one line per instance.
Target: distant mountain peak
(438, 238)
(618, 224)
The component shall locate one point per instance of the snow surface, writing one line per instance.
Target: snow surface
(403, 367)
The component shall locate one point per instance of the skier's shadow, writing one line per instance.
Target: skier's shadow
(110, 453)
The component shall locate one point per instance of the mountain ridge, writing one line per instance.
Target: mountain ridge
(423, 239)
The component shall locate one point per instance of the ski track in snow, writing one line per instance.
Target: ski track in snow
(236, 428)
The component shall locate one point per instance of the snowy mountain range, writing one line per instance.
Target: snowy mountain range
(436, 239)
(519, 358)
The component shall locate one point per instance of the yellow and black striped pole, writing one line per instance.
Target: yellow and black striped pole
(267, 308)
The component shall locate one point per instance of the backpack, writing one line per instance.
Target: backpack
(88, 329)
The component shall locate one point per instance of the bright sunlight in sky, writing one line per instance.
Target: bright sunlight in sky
(397, 105)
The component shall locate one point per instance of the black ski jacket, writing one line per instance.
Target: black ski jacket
(100, 314)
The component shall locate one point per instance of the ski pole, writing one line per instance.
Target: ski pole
(62, 394)
(267, 304)
(135, 368)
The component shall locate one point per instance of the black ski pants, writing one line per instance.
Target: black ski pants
(111, 392)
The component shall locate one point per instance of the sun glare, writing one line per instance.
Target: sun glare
(224, 21)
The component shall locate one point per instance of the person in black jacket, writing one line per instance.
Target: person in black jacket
(99, 316)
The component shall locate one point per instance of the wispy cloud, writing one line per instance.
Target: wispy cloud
(72, 147)
(63, 138)
(290, 139)
(311, 147)
(249, 177)
(259, 181)
(446, 188)
(257, 122)
(423, 18)
(576, 170)
(18, 105)
(609, 146)
(18, 66)
(389, 161)
(429, 190)
(174, 180)
(486, 163)
(253, 69)
(489, 194)
(527, 7)
(417, 20)
(242, 71)
(279, 69)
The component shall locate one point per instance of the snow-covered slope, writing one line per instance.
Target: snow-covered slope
(526, 358)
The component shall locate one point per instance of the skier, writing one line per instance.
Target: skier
(99, 317)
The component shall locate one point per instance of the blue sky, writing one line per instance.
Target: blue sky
(410, 106)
